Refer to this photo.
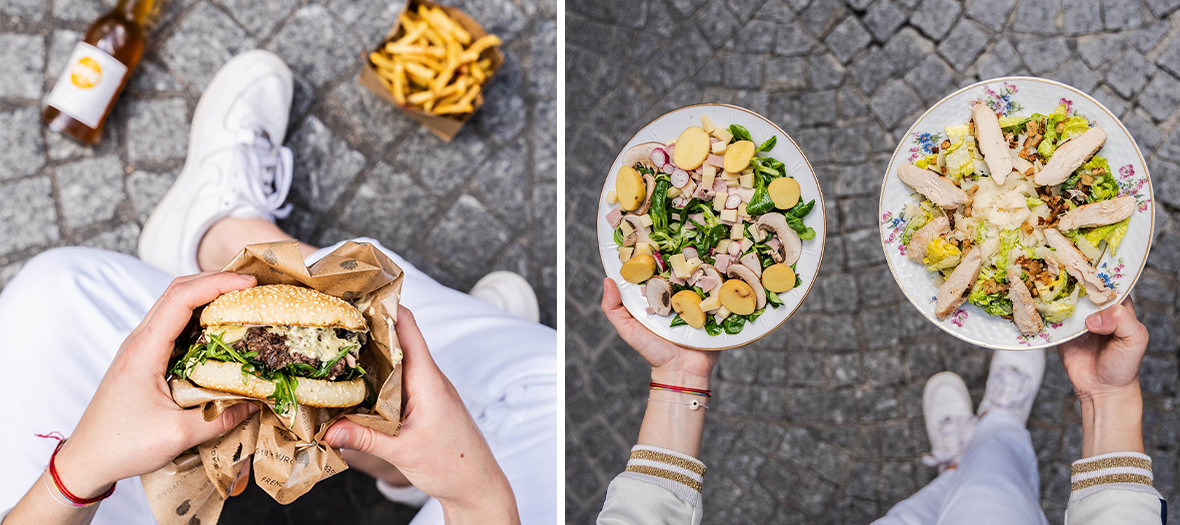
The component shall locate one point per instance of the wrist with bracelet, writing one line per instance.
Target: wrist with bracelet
(58, 490)
(700, 395)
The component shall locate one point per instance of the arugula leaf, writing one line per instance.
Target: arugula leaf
(739, 133)
(768, 145)
(284, 393)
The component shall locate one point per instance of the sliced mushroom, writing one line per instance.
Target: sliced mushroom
(640, 153)
(650, 182)
(708, 270)
(642, 233)
(659, 295)
(792, 244)
(751, 261)
(742, 272)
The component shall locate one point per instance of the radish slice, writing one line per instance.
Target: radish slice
(732, 201)
(689, 252)
(669, 168)
(659, 157)
(680, 178)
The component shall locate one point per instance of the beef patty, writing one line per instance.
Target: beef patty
(274, 353)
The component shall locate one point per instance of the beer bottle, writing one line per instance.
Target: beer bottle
(97, 71)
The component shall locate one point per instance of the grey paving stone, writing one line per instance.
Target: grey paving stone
(786, 73)
(26, 9)
(793, 40)
(149, 77)
(1036, 17)
(1081, 16)
(1170, 58)
(205, 39)
(28, 214)
(24, 149)
(824, 71)
(542, 72)
(967, 43)
(1145, 38)
(930, 78)
(24, 63)
(90, 190)
(1161, 96)
(1096, 50)
(123, 239)
(79, 11)
(452, 163)
(893, 102)
(1043, 55)
(259, 17)
(1121, 14)
(1161, 8)
(992, 14)
(310, 56)
(1076, 74)
(936, 17)
(907, 48)
(324, 165)
(871, 69)
(883, 18)
(147, 188)
(454, 236)
(392, 206)
(1001, 60)
(847, 38)
(166, 121)
(1129, 73)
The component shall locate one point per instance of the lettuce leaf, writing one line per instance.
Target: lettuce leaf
(996, 303)
(941, 255)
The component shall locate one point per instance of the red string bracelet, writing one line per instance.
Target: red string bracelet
(69, 496)
(681, 389)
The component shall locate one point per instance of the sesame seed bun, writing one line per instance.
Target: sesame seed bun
(228, 377)
(282, 305)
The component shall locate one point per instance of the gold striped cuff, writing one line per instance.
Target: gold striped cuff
(1082, 467)
(652, 455)
(1112, 478)
(666, 474)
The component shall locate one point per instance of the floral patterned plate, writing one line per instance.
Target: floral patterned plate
(1017, 96)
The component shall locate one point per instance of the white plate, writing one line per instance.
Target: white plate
(1017, 96)
(665, 129)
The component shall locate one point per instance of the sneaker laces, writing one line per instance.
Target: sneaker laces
(1007, 387)
(266, 172)
(955, 431)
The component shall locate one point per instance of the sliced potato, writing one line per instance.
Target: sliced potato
(738, 155)
(778, 278)
(738, 297)
(784, 191)
(688, 304)
(639, 268)
(692, 148)
(629, 188)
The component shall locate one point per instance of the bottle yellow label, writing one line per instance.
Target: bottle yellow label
(87, 86)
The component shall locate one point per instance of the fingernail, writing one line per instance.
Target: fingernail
(338, 438)
(1094, 320)
(245, 277)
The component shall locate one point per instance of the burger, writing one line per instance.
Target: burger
(289, 344)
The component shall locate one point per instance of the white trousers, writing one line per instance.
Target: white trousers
(996, 482)
(63, 317)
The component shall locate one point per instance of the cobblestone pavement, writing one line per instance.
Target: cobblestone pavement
(822, 422)
(486, 201)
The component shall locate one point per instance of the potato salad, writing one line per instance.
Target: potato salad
(710, 225)
(1013, 214)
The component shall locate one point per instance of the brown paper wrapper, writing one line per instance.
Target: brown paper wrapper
(443, 126)
(289, 456)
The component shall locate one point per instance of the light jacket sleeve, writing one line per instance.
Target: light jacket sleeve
(1114, 489)
(659, 486)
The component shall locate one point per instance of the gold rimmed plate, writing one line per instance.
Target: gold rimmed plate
(1016, 96)
(665, 129)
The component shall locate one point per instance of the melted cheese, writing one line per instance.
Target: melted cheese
(314, 342)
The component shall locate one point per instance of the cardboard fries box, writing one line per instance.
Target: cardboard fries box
(444, 126)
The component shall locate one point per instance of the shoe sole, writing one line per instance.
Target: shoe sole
(153, 238)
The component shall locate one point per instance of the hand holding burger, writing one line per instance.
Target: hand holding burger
(132, 426)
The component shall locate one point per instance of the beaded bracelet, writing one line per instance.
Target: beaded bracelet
(681, 389)
(692, 405)
(61, 490)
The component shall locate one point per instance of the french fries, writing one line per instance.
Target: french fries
(434, 64)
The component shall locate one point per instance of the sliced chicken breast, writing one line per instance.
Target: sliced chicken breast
(1076, 264)
(916, 249)
(1098, 213)
(953, 292)
(940, 190)
(1069, 156)
(1024, 312)
(991, 142)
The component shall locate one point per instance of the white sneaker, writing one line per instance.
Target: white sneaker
(236, 165)
(509, 292)
(1013, 381)
(950, 422)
